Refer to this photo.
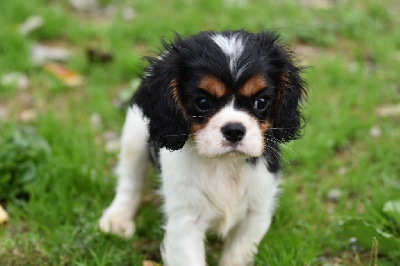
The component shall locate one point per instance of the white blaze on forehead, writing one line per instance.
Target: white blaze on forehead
(233, 47)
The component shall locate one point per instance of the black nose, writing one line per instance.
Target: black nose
(233, 132)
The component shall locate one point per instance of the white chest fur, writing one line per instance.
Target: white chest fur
(218, 192)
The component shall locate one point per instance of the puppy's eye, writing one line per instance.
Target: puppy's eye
(203, 104)
(261, 104)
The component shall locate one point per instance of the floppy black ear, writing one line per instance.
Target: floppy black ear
(287, 116)
(158, 99)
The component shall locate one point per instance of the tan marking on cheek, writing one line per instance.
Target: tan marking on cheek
(264, 126)
(253, 86)
(194, 128)
(213, 86)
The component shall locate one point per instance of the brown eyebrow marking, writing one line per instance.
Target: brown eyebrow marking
(213, 86)
(254, 85)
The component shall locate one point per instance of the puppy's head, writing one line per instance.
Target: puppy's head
(231, 92)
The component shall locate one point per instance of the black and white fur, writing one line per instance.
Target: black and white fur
(211, 111)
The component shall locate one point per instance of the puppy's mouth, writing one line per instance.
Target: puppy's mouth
(235, 154)
(233, 150)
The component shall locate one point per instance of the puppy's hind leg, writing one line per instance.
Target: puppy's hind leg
(132, 167)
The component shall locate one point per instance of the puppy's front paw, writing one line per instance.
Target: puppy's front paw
(117, 223)
(236, 260)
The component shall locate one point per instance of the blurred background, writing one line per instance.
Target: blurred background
(68, 68)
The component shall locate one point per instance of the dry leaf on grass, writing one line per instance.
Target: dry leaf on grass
(3, 215)
(150, 263)
(28, 116)
(67, 76)
(97, 56)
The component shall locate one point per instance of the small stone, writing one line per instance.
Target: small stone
(20, 80)
(95, 121)
(112, 145)
(110, 135)
(128, 13)
(28, 116)
(342, 171)
(353, 244)
(334, 194)
(319, 4)
(112, 141)
(84, 5)
(42, 53)
(330, 210)
(388, 110)
(31, 24)
(375, 132)
(110, 11)
(352, 67)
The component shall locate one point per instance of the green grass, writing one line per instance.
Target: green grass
(353, 50)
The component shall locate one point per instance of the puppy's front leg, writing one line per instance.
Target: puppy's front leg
(184, 242)
(132, 167)
(242, 241)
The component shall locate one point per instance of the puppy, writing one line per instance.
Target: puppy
(210, 113)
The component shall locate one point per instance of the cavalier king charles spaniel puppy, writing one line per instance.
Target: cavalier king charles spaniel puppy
(210, 114)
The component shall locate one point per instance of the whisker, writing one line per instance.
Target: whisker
(176, 135)
(283, 145)
(278, 153)
(275, 157)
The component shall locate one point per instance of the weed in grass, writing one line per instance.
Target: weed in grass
(21, 153)
(374, 252)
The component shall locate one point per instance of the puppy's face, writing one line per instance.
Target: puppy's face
(232, 93)
(227, 119)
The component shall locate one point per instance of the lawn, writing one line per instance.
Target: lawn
(59, 127)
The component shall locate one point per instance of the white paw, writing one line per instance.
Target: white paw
(117, 223)
(236, 261)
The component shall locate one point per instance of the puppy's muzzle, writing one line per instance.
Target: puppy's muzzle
(233, 132)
